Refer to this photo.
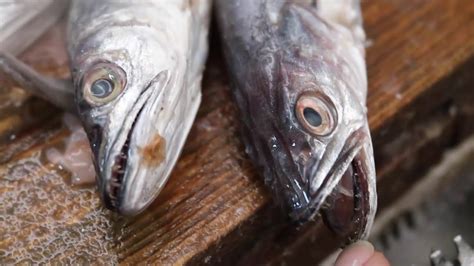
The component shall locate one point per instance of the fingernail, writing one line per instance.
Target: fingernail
(356, 254)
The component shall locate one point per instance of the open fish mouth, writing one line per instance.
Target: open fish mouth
(114, 185)
(119, 169)
(346, 209)
(344, 197)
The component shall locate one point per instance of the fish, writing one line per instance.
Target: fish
(23, 22)
(136, 70)
(298, 77)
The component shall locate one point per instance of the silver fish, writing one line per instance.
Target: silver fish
(136, 73)
(23, 22)
(300, 82)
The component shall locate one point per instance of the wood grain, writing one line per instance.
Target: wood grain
(215, 208)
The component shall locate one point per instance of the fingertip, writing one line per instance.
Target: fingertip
(377, 259)
(356, 254)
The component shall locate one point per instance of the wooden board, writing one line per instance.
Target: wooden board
(215, 208)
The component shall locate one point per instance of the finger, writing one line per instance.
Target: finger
(356, 254)
(377, 259)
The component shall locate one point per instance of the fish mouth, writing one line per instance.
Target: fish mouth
(124, 157)
(119, 165)
(119, 169)
(349, 208)
(346, 198)
(346, 210)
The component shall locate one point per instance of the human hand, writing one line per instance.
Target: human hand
(361, 253)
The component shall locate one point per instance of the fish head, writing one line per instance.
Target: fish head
(311, 134)
(121, 77)
(311, 124)
(332, 155)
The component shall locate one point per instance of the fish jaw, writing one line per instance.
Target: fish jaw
(111, 149)
(114, 145)
(345, 191)
(156, 142)
(134, 161)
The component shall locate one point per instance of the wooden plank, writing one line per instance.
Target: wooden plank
(215, 208)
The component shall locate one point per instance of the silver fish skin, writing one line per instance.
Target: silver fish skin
(137, 69)
(299, 80)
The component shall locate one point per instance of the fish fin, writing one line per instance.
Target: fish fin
(56, 91)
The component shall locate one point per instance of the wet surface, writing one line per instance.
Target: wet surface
(43, 217)
(75, 154)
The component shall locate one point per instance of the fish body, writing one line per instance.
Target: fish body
(23, 22)
(136, 69)
(299, 80)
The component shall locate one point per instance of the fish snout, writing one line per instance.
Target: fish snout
(121, 154)
(348, 195)
(342, 187)
(145, 177)
(159, 134)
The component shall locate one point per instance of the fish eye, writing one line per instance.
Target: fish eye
(102, 88)
(312, 117)
(102, 83)
(315, 114)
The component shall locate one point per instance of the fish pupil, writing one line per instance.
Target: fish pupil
(102, 88)
(312, 117)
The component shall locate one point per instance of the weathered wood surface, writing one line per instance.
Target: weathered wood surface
(215, 208)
